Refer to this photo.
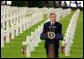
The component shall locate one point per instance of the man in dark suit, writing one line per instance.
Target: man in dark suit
(57, 29)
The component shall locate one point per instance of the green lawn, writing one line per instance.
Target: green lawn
(13, 49)
(77, 47)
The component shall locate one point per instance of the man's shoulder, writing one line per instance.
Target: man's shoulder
(58, 23)
(47, 23)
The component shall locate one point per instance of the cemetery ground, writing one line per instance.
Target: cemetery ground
(13, 49)
(77, 46)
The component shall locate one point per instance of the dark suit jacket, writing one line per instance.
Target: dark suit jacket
(58, 29)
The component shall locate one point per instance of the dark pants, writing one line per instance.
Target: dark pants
(55, 48)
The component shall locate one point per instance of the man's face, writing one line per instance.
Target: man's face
(53, 17)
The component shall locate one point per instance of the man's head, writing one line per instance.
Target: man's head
(53, 17)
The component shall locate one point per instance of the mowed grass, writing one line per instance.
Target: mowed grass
(13, 49)
(77, 47)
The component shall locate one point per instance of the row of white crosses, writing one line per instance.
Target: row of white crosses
(33, 40)
(69, 35)
(15, 20)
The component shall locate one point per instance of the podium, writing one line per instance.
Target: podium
(51, 51)
(44, 36)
